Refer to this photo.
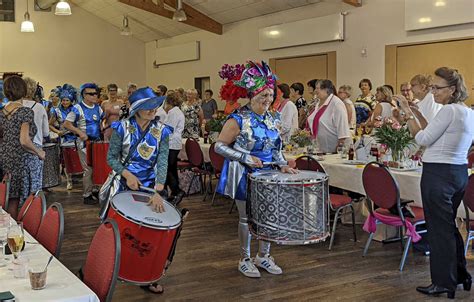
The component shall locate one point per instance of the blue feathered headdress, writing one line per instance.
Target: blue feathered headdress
(67, 91)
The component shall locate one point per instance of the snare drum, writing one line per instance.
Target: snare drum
(51, 173)
(146, 237)
(100, 168)
(289, 209)
(72, 162)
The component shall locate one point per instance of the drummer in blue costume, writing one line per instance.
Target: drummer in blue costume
(249, 139)
(148, 164)
(68, 95)
(84, 121)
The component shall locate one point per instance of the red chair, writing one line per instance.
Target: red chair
(51, 230)
(382, 190)
(217, 162)
(470, 159)
(337, 202)
(32, 212)
(196, 158)
(4, 191)
(103, 261)
(468, 201)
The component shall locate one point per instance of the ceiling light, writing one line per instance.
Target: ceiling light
(424, 20)
(27, 26)
(125, 31)
(179, 13)
(440, 3)
(274, 33)
(62, 9)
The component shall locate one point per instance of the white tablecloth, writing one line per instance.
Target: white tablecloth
(61, 284)
(204, 147)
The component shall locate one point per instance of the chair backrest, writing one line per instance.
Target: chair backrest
(4, 191)
(217, 160)
(51, 230)
(306, 162)
(380, 187)
(103, 260)
(470, 159)
(32, 211)
(468, 199)
(194, 152)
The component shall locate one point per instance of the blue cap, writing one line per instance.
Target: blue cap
(144, 99)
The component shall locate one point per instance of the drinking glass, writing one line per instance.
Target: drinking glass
(15, 238)
(341, 150)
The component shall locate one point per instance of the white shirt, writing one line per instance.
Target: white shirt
(386, 110)
(448, 136)
(289, 120)
(428, 107)
(162, 114)
(353, 121)
(40, 119)
(175, 119)
(333, 124)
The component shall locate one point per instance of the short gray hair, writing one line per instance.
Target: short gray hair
(347, 89)
(30, 87)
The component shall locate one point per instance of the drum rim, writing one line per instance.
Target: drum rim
(292, 242)
(172, 227)
(253, 178)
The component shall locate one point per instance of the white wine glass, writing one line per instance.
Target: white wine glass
(15, 238)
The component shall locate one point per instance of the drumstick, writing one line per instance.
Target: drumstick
(278, 163)
(147, 189)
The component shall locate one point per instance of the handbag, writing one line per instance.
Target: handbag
(104, 193)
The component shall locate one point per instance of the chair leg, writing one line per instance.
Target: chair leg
(214, 196)
(353, 223)
(405, 253)
(367, 244)
(205, 186)
(190, 184)
(333, 232)
(232, 206)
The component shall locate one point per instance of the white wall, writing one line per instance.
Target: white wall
(376, 24)
(74, 49)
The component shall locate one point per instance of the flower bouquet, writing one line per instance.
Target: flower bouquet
(300, 140)
(214, 126)
(394, 136)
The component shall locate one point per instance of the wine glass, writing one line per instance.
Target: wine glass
(16, 238)
(4, 224)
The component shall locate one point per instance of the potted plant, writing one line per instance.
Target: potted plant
(214, 127)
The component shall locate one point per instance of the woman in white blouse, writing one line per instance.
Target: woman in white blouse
(328, 121)
(289, 113)
(175, 118)
(447, 139)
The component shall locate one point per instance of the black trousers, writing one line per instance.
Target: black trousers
(442, 189)
(172, 175)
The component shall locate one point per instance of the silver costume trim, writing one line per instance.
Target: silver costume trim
(244, 233)
(279, 158)
(233, 154)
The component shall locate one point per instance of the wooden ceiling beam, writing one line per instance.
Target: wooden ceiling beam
(356, 3)
(194, 17)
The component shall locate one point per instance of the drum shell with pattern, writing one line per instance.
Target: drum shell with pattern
(72, 162)
(100, 168)
(52, 161)
(146, 237)
(290, 209)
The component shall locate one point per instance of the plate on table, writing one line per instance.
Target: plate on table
(405, 169)
(354, 162)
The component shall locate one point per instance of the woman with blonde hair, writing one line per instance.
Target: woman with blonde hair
(384, 106)
(193, 114)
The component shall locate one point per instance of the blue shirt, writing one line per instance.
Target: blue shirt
(87, 119)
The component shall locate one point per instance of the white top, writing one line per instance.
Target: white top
(289, 120)
(175, 119)
(428, 107)
(41, 121)
(386, 110)
(333, 124)
(353, 121)
(162, 114)
(448, 136)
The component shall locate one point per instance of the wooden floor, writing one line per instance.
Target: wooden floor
(205, 265)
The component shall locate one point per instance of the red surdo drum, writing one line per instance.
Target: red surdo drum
(72, 163)
(146, 237)
(100, 168)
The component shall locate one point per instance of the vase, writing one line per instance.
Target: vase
(397, 157)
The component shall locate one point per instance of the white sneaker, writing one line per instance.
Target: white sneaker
(69, 186)
(247, 268)
(268, 263)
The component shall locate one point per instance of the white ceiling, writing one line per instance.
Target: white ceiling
(148, 26)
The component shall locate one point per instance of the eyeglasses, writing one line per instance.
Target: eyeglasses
(113, 90)
(92, 93)
(436, 87)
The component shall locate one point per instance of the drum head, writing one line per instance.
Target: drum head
(134, 206)
(274, 176)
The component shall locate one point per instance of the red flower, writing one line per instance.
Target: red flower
(231, 92)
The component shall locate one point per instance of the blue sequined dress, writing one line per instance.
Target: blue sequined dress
(260, 137)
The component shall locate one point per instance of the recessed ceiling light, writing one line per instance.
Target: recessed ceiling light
(424, 20)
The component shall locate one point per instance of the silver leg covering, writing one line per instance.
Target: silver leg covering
(244, 233)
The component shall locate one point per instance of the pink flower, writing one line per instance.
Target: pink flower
(388, 120)
(378, 124)
(396, 126)
(378, 118)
